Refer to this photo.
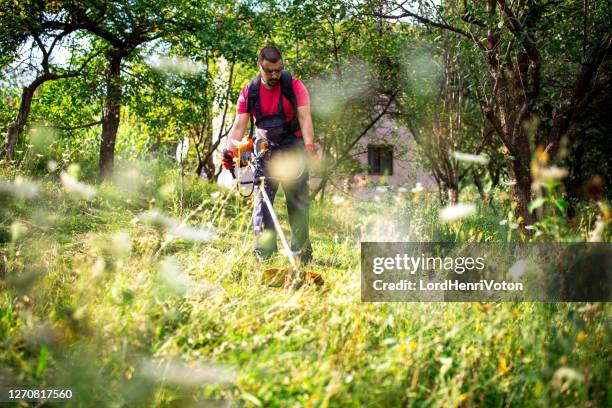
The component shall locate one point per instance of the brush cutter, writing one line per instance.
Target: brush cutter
(296, 277)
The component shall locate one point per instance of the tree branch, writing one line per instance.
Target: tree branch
(421, 19)
(69, 128)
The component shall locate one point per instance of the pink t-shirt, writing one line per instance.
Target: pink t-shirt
(268, 98)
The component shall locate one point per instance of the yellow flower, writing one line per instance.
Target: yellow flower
(538, 389)
(503, 366)
(541, 155)
(581, 336)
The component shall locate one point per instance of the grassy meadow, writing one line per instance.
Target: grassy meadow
(143, 293)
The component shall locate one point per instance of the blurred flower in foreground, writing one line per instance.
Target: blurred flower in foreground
(194, 234)
(18, 230)
(287, 166)
(456, 212)
(21, 188)
(121, 244)
(174, 227)
(175, 65)
(565, 376)
(553, 173)
(337, 200)
(471, 158)
(158, 220)
(51, 166)
(173, 274)
(447, 362)
(418, 188)
(130, 180)
(518, 269)
(183, 374)
(596, 234)
(76, 188)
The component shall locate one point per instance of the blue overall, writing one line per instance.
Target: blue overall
(296, 191)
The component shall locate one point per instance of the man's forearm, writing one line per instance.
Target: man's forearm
(237, 131)
(308, 133)
(306, 126)
(234, 135)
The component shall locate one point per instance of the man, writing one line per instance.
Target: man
(280, 107)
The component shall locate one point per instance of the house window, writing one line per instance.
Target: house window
(380, 160)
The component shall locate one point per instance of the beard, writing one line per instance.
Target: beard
(272, 82)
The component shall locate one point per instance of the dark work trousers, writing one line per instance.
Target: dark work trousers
(298, 204)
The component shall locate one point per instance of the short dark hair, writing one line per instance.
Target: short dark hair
(271, 54)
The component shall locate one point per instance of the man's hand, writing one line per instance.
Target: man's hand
(313, 152)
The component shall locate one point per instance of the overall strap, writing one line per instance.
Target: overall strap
(252, 98)
(281, 108)
(286, 81)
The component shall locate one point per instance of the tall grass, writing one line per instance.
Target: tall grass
(104, 296)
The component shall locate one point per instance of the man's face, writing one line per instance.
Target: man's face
(271, 71)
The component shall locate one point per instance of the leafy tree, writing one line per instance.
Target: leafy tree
(30, 23)
(511, 40)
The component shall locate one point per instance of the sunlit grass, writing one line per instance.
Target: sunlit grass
(104, 295)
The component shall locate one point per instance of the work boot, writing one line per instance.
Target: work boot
(262, 255)
(305, 255)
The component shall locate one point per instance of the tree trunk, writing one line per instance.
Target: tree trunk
(207, 166)
(479, 186)
(16, 128)
(453, 195)
(442, 192)
(520, 175)
(112, 114)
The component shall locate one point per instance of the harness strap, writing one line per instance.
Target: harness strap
(286, 83)
(253, 96)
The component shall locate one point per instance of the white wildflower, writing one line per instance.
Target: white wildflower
(337, 200)
(418, 188)
(75, 187)
(21, 188)
(194, 234)
(446, 362)
(564, 376)
(157, 219)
